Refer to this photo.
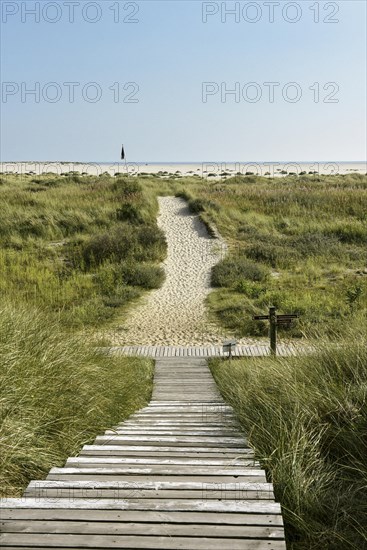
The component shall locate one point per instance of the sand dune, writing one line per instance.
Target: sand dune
(175, 314)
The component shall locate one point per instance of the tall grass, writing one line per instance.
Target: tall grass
(74, 251)
(81, 247)
(309, 233)
(56, 393)
(306, 418)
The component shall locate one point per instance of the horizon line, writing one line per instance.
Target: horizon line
(175, 161)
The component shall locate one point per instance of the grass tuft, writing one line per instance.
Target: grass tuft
(306, 418)
(57, 393)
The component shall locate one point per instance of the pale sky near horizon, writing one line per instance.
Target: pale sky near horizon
(178, 62)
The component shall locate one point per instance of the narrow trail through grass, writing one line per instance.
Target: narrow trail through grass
(175, 314)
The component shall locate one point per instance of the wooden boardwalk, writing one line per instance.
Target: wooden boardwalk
(258, 350)
(178, 474)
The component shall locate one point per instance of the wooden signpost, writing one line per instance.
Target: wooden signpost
(229, 346)
(275, 321)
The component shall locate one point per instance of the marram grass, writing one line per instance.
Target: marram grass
(57, 393)
(306, 418)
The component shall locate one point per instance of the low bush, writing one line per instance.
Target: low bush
(196, 206)
(229, 271)
(129, 213)
(147, 276)
(124, 241)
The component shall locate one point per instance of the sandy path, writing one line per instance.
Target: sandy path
(175, 314)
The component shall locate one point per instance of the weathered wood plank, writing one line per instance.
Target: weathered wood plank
(156, 529)
(146, 516)
(175, 505)
(132, 542)
(95, 478)
(204, 427)
(208, 494)
(84, 461)
(181, 451)
(182, 448)
(157, 484)
(163, 440)
(159, 470)
(174, 433)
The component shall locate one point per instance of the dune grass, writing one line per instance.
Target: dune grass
(56, 394)
(306, 418)
(74, 251)
(307, 235)
(68, 244)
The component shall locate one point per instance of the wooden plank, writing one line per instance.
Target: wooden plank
(164, 440)
(160, 470)
(156, 529)
(133, 542)
(232, 487)
(169, 406)
(185, 412)
(184, 452)
(214, 431)
(90, 460)
(173, 414)
(181, 518)
(156, 484)
(91, 476)
(133, 492)
(176, 449)
(178, 505)
(192, 440)
(136, 478)
(167, 403)
(178, 432)
(202, 421)
(127, 478)
(179, 417)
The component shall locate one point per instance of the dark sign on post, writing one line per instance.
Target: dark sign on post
(229, 346)
(275, 321)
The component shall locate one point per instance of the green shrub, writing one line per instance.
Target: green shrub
(229, 271)
(249, 288)
(272, 255)
(122, 242)
(147, 276)
(120, 296)
(196, 206)
(129, 213)
(153, 242)
(354, 233)
(315, 244)
(128, 189)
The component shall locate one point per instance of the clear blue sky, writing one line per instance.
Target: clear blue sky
(169, 53)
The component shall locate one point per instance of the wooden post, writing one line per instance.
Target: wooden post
(273, 330)
(275, 320)
(228, 346)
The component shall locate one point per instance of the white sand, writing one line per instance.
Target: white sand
(175, 314)
(203, 169)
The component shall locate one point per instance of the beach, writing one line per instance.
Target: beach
(205, 169)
